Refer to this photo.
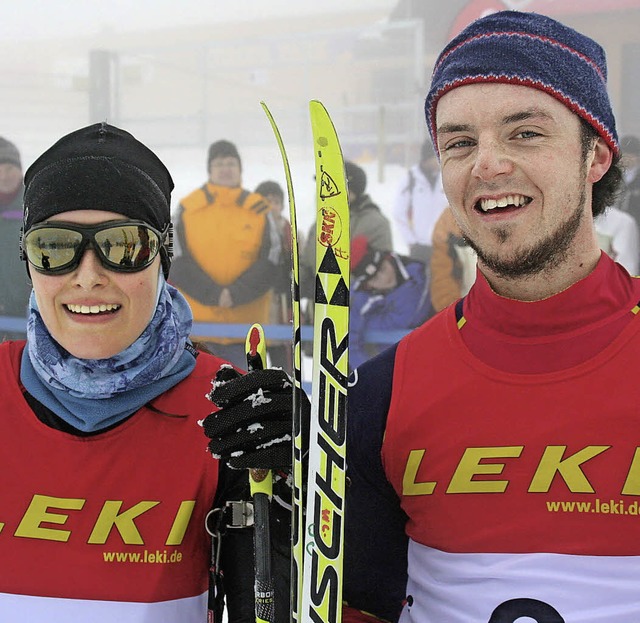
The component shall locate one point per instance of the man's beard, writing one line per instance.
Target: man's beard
(545, 255)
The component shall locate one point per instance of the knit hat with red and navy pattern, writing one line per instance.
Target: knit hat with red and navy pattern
(530, 50)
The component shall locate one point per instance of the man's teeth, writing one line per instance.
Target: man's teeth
(503, 202)
(92, 309)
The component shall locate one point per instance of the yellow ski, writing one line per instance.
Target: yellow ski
(297, 521)
(324, 528)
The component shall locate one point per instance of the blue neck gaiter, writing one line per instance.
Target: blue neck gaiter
(93, 394)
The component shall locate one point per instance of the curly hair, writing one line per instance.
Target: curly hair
(606, 190)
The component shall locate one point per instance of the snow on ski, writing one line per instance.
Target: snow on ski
(324, 528)
(298, 514)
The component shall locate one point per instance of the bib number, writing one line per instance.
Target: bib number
(514, 609)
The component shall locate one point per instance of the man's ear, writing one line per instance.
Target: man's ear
(601, 159)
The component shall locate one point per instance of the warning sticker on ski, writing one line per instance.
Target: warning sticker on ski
(324, 534)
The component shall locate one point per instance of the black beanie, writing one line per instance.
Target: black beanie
(270, 188)
(99, 167)
(223, 149)
(9, 153)
(356, 178)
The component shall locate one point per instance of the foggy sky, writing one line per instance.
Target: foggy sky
(32, 19)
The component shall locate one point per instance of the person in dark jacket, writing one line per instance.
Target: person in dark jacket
(389, 292)
(280, 352)
(630, 200)
(365, 219)
(16, 286)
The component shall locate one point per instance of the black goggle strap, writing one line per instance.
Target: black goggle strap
(166, 241)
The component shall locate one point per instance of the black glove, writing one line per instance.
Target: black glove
(253, 427)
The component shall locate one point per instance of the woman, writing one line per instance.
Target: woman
(106, 479)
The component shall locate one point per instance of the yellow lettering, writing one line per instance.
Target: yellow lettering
(569, 468)
(632, 484)
(124, 522)
(180, 523)
(470, 465)
(38, 513)
(409, 484)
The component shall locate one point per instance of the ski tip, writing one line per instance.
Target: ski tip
(316, 104)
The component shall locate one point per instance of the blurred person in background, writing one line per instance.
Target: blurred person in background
(453, 263)
(619, 238)
(365, 216)
(280, 353)
(630, 200)
(14, 279)
(419, 202)
(389, 292)
(226, 251)
(365, 219)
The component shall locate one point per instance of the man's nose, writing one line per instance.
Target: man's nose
(491, 160)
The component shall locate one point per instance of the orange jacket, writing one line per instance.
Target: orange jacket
(224, 242)
(452, 262)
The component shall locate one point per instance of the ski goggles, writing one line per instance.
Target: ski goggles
(56, 248)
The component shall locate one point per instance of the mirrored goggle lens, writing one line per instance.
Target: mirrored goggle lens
(128, 246)
(121, 247)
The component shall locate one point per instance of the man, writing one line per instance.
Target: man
(630, 201)
(365, 219)
(13, 276)
(280, 353)
(389, 292)
(491, 421)
(493, 460)
(453, 262)
(227, 252)
(618, 236)
(419, 202)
